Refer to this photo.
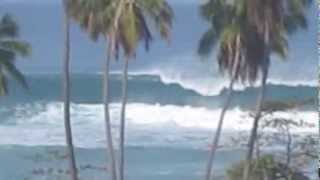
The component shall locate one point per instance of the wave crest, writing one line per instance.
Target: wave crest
(213, 85)
(148, 124)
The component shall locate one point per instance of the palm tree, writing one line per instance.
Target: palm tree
(241, 51)
(229, 27)
(66, 95)
(271, 19)
(10, 47)
(217, 13)
(124, 24)
(96, 17)
(132, 25)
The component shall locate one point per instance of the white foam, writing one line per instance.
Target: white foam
(294, 83)
(186, 70)
(147, 124)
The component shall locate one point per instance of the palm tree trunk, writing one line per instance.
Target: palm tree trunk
(111, 154)
(123, 117)
(66, 97)
(215, 142)
(254, 130)
(289, 149)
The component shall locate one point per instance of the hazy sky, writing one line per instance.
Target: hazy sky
(41, 25)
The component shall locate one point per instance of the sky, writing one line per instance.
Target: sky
(41, 25)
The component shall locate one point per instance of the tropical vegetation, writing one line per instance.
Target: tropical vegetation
(248, 32)
(124, 24)
(10, 48)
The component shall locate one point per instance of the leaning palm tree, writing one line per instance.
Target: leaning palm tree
(240, 54)
(271, 19)
(10, 47)
(229, 27)
(66, 95)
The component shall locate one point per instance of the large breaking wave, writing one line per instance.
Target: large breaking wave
(148, 124)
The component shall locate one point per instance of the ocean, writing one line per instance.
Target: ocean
(174, 101)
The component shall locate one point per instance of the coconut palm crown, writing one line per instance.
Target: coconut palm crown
(238, 28)
(10, 47)
(133, 20)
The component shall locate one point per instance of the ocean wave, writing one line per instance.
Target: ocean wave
(203, 86)
(215, 84)
(147, 124)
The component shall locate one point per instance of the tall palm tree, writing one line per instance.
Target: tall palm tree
(124, 24)
(271, 19)
(96, 17)
(217, 13)
(242, 50)
(229, 27)
(66, 95)
(10, 47)
(132, 25)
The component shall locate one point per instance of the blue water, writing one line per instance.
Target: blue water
(169, 127)
(147, 89)
(162, 163)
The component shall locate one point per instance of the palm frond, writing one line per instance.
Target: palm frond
(207, 42)
(8, 27)
(3, 83)
(7, 55)
(10, 47)
(21, 48)
(251, 20)
(159, 13)
(129, 25)
(145, 33)
(8, 67)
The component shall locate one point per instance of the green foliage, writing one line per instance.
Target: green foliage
(94, 16)
(10, 47)
(264, 168)
(248, 31)
(125, 22)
